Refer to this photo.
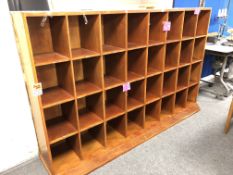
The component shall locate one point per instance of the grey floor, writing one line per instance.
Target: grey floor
(196, 146)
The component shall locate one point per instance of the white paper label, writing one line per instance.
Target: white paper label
(37, 89)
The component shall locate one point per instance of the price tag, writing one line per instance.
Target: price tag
(197, 11)
(126, 87)
(37, 89)
(166, 26)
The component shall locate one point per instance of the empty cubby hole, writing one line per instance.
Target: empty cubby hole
(156, 57)
(156, 33)
(190, 24)
(114, 32)
(154, 88)
(168, 105)
(115, 102)
(186, 52)
(90, 111)
(193, 93)
(137, 29)
(203, 22)
(61, 121)
(136, 121)
(66, 149)
(57, 83)
(114, 69)
(136, 64)
(116, 131)
(195, 73)
(92, 141)
(136, 95)
(183, 77)
(172, 55)
(88, 76)
(153, 113)
(199, 49)
(84, 35)
(49, 39)
(169, 82)
(181, 99)
(176, 19)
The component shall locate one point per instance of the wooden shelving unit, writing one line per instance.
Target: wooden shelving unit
(110, 79)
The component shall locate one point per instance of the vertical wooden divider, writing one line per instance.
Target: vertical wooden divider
(101, 30)
(145, 73)
(77, 143)
(126, 73)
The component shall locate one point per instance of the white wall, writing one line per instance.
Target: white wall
(17, 136)
(71, 5)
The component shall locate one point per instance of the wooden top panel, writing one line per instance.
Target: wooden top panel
(61, 13)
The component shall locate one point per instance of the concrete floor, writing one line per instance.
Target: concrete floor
(196, 146)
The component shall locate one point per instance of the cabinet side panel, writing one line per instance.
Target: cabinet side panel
(25, 52)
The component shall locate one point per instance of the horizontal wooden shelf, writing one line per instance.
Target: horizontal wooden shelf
(133, 45)
(134, 77)
(112, 111)
(108, 49)
(167, 92)
(110, 82)
(49, 58)
(83, 53)
(59, 129)
(155, 43)
(84, 88)
(151, 97)
(152, 71)
(88, 120)
(133, 104)
(169, 68)
(54, 96)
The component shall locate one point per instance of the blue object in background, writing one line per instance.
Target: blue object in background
(186, 3)
(214, 22)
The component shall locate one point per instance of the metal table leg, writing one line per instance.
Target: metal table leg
(222, 74)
